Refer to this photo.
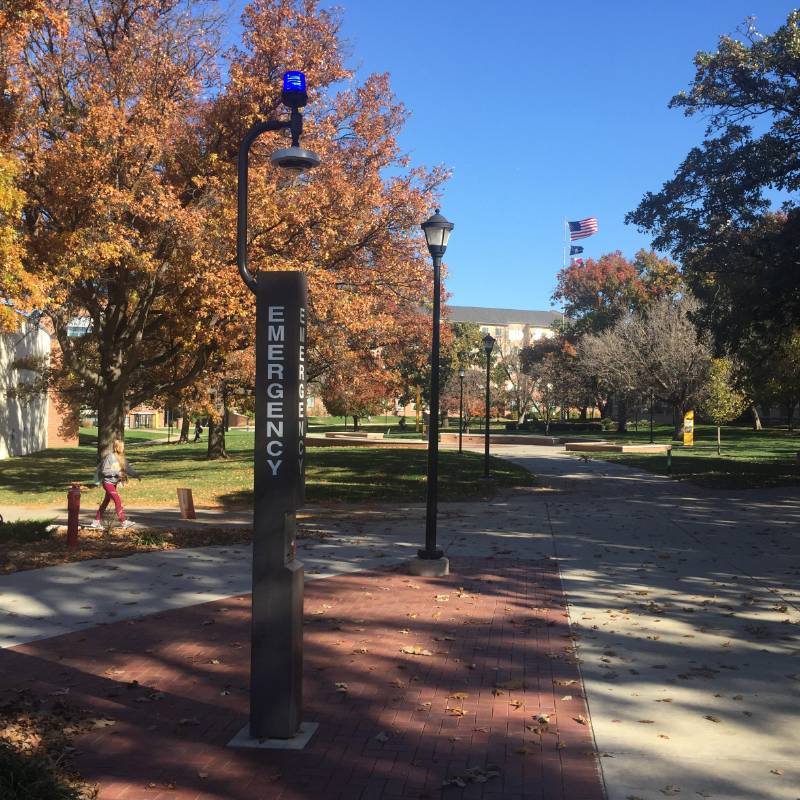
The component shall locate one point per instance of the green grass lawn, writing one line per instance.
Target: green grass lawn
(750, 459)
(332, 474)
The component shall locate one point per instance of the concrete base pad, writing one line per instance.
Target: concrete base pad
(429, 567)
(298, 742)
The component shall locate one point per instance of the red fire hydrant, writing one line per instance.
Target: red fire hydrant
(73, 512)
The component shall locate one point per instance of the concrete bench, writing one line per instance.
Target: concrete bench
(499, 438)
(353, 435)
(610, 447)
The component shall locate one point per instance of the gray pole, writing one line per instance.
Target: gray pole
(486, 435)
(460, 413)
(431, 551)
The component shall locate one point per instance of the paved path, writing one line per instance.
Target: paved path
(686, 603)
(490, 706)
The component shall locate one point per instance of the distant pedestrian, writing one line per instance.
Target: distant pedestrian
(198, 430)
(113, 472)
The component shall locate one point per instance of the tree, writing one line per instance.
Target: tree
(474, 394)
(128, 148)
(550, 363)
(598, 292)
(658, 350)
(14, 281)
(769, 372)
(516, 387)
(721, 401)
(714, 214)
(358, 389)
(113, 225)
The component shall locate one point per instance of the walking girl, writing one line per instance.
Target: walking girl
(114, 471)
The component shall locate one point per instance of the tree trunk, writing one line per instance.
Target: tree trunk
(216, 439)
(110, 422)
(789, 415)
(756, 419)
(185, 423)
(622, 416)
(677, 421)
(584, 413)
(356, 418)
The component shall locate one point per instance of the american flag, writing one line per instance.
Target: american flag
(582, 228)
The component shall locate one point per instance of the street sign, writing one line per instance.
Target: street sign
(688, 429)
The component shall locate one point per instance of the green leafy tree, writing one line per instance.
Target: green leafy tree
(738, 256)
(722, 401)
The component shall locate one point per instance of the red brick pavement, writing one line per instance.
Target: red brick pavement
(175, 686)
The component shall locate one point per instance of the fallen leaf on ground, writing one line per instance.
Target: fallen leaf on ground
(776, 771)
(712, 718)
(341, 687)
(580, 719)
(415, 650)
(382, 736)
(516, 704)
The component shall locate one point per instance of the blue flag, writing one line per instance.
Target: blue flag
(575, 249)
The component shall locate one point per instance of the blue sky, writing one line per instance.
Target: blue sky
(543, 111)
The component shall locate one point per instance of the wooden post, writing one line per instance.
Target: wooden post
(186, 503)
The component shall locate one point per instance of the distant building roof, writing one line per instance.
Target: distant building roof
(502, 316)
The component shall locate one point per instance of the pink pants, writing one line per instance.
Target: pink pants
(111, 494)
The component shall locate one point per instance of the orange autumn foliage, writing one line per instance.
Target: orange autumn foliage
(127, 137)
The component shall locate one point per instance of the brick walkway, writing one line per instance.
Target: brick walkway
(497, 656)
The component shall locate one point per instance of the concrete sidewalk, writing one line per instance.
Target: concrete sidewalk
(686, 603)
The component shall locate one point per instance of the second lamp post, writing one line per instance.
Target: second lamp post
(431, 560)
(488, 346)
(461, 409)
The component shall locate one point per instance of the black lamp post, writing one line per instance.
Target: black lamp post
(431, 559)
(460, 409)
(276, 666)
(488, 346)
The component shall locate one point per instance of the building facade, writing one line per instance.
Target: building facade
(513, 328)
(31, 417)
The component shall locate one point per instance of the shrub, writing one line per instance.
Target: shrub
(29, 777)
(26, 530)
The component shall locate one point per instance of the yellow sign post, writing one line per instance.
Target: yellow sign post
(688, 429)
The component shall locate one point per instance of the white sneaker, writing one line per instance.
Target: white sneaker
(96, 524)
(129, 523)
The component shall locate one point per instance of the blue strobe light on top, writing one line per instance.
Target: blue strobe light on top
(294, 89)
(294, 81)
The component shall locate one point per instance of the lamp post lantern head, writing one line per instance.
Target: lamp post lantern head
(437, 232)
(294, 159)
(461, 373)
(488, 344)
(294, 96)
